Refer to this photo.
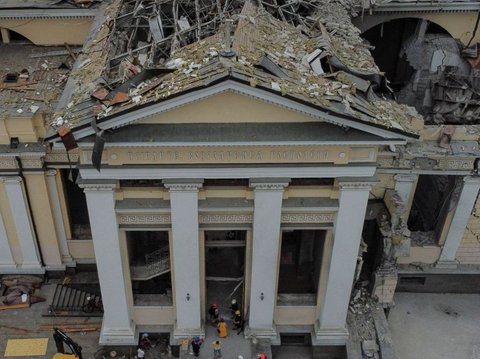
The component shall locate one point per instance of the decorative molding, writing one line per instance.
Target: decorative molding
(51, 172)
(182, 187)
(225, 218)
(268, 186)
(308, 217)
(61, 157)
(8, 163)
(405, 177)
(32, 163)
(456, 164)
(471, 180)
(91, 187)
(144, 219)
(11, 179)
(355, 186)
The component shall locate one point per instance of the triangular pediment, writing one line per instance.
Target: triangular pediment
(230, 103)
(229, 107)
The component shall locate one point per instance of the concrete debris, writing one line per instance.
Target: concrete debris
(315, 55)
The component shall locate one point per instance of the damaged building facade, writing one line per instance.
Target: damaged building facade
(272, 152)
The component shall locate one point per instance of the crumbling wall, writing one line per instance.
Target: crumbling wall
(469, 250)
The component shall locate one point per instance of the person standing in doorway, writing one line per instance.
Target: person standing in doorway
(217, 349)
(222, 328)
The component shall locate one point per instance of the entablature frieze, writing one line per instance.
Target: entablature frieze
(289, 217)
(223, 154)
(452, 163)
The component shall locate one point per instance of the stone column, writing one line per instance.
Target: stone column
(265, 253)
(43, 217)
(330, 329)
(118, 327)
(17, 199)
(7, 263)
(186, 256)
(465, 205)
(404, 185)
(57, 216)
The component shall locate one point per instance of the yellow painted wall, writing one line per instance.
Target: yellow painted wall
(460, 25)
(228, 107)
(154, 315)
(21, 127)
(81, 249)
(426, 255)
(42, 214)
(469, 250)
(295, 315)
(9, 226)
(51, 32)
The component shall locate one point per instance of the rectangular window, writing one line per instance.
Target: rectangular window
(150, 268)
(300, 265)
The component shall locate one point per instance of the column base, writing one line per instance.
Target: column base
(329, 336)
(8, 268)
(118, 336)
(56, 268)
(270, 333)
(182, 333)
(446, 264)
(32, 268)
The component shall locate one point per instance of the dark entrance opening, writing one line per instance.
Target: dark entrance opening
(225, 269)
(77, 205)
(300, 264)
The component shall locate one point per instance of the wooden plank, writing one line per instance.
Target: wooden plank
(15, 306)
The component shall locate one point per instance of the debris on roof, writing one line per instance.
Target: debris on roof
(32, 78)
(305, 50)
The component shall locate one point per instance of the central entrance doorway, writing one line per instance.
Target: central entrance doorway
(225, 269)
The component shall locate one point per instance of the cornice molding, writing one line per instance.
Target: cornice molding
(180, 186)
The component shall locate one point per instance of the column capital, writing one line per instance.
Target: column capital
(11, 179)
(183, 185)
(355, 184)
(472, 180)
(405, 177)
(98, 185)
(269, 184)
(51, 172)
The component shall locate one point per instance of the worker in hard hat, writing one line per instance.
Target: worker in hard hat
(234, 307)
(213, 313)
(237, 322)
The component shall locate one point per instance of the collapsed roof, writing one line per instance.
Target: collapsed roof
(147, 51)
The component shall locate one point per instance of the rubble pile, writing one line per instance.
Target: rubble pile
(361, 322)
(147, 51)
(32, 78)
(18, 291)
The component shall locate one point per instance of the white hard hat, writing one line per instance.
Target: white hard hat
(233, 302)
(240, 357)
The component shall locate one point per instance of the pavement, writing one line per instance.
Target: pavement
(436, 326)
(232, 346)
(28, 323)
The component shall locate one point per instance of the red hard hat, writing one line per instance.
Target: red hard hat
(214, 305)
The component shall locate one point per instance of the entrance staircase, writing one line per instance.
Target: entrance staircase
(70, 301)
(156, 264)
